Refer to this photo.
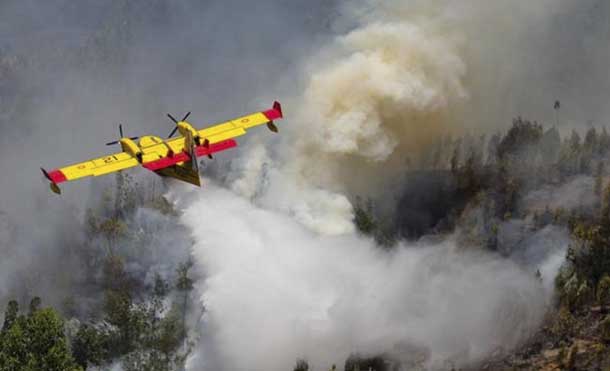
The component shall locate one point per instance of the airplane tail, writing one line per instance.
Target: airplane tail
(193, 155)
(187, 171)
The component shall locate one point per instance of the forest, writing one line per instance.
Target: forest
(140, 317)
(532, 177)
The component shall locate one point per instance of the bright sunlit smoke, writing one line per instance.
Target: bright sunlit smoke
(275, 292)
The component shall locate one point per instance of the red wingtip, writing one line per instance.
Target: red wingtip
(54, 177)
(275, 112)
(57, 176)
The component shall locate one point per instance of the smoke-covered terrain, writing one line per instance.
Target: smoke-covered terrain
(398, 221)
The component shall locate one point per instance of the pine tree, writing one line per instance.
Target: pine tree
(363, 217)
(603, 143)
(599, 180)
(89, 346)
(12, 311)
(492, 149)
(301, 365)
(184, 284)
(550, 146)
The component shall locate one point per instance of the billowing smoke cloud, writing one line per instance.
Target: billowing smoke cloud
(375, 96)
(275, 292)
(289, 278)
(408, 71)
(391, 88)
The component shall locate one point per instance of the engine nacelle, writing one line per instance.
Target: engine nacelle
(129, 146)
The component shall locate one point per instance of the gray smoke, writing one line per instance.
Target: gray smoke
(275, 292)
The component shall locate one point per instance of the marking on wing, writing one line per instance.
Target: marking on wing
(99, 166)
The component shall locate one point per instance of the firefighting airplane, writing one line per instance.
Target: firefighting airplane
(176, 158)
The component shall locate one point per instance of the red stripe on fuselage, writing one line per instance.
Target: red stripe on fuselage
(184, 156)
(57, 176)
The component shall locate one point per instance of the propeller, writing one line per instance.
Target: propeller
(121, 137)
(176, 122)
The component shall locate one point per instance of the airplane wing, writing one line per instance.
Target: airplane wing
(98, 166)
(233, 128)
(238, 126)
(216, 138)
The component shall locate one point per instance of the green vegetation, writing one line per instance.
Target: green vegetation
(35, 341)
(486, 192)
(147, 335)
(301, 365)
(141, 324)
(368, 224)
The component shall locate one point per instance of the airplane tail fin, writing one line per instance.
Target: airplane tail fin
(192, 163)
(187, 171)
(193, 156)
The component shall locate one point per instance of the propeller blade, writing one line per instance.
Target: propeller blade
(186, 116)
(173, 132)
(121, 130)
(172, 118)
(112, 143)
(134, 138)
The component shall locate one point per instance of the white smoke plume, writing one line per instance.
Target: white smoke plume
(274, 292)
(286, 275)
(377, 95)
(391, 88)
(388, 91)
